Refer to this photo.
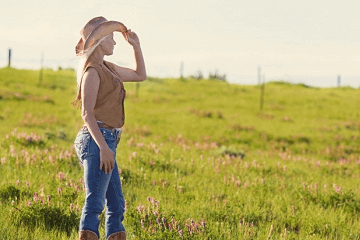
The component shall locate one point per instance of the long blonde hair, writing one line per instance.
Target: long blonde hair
(83, 60)
(77, 102)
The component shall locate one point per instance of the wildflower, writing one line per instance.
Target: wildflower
(337, 188)
(71, 206)
(238, 183)
(46, 151)
(157, 220)
(28, 203)
(3, 160)
(12, 151)
(61, 175)
(154, 182)
(197, 227)
(69, 184)
(51, 158)
(140, 208)
(180, 233)
(48, 198)
(163, 219)
(27, 184)
(142, 224)
(67, 154)
(59, 190)
(203, 223)
(36, 196)
(12, 202)
(247, 165)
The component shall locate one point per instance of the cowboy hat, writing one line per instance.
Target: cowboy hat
(95, 29)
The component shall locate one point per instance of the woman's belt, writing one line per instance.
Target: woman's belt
(101, 125)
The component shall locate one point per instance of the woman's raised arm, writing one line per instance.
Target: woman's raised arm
(127, 74)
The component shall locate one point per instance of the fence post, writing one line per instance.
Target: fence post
(182, 70)
(262, 94)
(339, 80)
(9, 63)
(42, 67)
(137, 89)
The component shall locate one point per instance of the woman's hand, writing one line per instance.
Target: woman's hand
(106, 159)
(131, 38)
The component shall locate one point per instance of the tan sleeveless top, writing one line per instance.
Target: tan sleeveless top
(109, 106)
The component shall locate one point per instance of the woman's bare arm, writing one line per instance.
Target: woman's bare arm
(127, 74)
(89, 89)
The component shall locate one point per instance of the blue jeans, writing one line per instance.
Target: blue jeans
(101, 189)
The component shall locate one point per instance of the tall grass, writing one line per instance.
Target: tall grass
(197, 160)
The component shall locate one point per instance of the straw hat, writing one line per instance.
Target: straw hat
(95, 29)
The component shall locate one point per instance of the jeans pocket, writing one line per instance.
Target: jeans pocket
(118, 136)
(81, 145)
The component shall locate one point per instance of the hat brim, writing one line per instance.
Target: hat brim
(100, 31)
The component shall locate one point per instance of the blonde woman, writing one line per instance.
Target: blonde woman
(101, 97)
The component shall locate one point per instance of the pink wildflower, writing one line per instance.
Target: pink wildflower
(142, 224)
(36, 196)
(59, 190)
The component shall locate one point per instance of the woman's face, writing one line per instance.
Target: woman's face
(108, 44)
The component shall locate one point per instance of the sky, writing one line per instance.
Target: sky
(308, 41)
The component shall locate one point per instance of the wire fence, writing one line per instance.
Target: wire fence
(37, 63)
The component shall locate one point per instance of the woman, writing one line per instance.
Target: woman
(101, 96)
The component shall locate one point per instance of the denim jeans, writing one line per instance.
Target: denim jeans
(101, 189)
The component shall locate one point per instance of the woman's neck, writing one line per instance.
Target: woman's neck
(96, 56)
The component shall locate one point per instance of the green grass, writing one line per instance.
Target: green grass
(196, 156)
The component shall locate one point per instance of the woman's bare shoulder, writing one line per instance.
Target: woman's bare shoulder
(91, 74)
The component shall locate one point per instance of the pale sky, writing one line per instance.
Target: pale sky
(305, 41)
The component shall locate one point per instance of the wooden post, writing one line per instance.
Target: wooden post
(262, 94)
(137, 89)
(182, 70)
(339, 80)
(9, 63)
(42, 67)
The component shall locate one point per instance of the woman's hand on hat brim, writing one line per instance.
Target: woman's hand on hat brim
(131, 38)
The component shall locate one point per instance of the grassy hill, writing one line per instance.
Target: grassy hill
(198, 160)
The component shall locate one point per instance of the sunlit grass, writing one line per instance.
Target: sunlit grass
(197, 160)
